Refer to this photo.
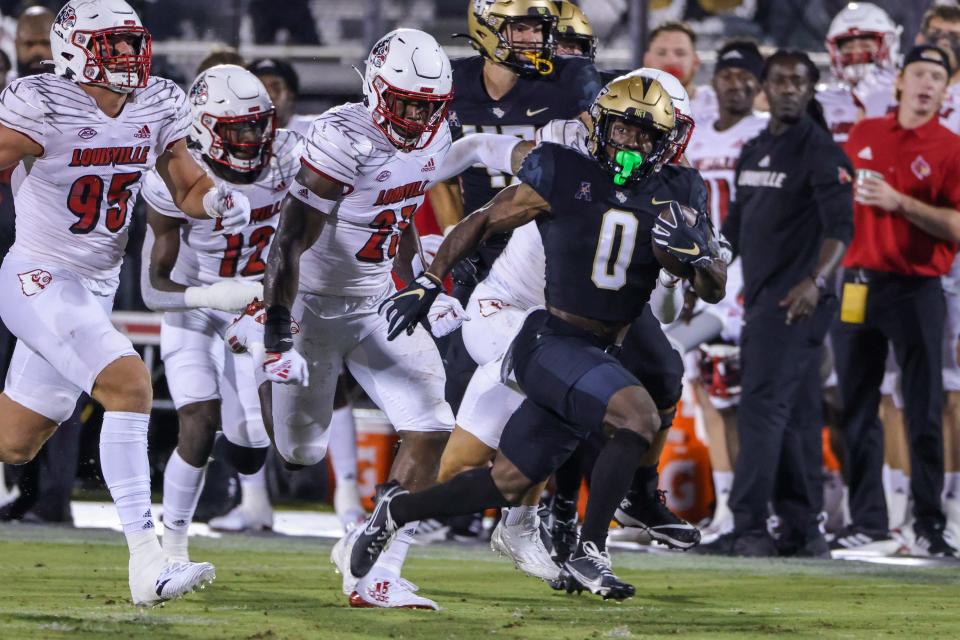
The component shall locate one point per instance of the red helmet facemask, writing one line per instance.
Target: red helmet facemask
(242, 143)
(390, 114)
(106, 66)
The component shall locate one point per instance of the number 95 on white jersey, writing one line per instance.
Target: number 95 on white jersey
(74, 205)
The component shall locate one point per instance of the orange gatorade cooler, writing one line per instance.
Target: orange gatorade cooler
(685, 471)
(376, 443)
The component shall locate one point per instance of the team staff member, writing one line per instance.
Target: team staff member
(906, 230)
(790, 223)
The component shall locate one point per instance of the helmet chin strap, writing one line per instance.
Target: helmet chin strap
(627, 162)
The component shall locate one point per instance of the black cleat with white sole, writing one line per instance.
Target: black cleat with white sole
(373, 536)
(589, 568)
(651, 514)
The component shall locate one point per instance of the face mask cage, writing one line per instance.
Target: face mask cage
(586, 45)
(630, 166)
(404, 132)
(106, 65)
(529, 59)
(853, 66)
(241, 143)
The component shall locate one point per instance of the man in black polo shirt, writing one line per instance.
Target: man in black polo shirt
(790, 223)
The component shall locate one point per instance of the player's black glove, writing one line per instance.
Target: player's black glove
(406, 308)
(687, 235)
(466, 273)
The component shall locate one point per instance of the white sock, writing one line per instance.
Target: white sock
(343, 444)
(254, 497)
(951, 485)
(899, 481)
(516, 515)
(182, 484)
(392, 559)
(722, 482)
(126, 471)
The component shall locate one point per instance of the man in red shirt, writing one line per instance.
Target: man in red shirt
(906, 230)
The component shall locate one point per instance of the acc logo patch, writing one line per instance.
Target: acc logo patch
(87, 132)
(383, 176)
(33, 282)
(199, 93)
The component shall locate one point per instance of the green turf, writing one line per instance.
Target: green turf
(58, 583)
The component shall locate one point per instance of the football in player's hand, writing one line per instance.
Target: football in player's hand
(671, 239)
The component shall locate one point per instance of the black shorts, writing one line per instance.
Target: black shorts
(569, 379)
(648, 354)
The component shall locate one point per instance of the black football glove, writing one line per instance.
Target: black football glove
(695, 244)
(406, 308)
(466, 273)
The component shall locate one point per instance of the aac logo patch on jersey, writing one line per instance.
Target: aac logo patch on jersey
(584, 192)
(33, 282)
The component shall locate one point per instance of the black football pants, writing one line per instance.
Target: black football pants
(779, 419)
(908, 312)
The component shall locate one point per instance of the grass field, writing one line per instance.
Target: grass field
(58, 583)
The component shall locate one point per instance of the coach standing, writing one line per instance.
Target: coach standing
(906, 229)
(790, 223)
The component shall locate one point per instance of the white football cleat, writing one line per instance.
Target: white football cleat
(175, 579)
(388, 592)
(347, 505)
(522, 544)
(340, 557)
(240, 519)
(720, 524)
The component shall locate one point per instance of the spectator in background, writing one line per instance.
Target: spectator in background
(283, 85)
(906, 230)
(790, 223)
(295, 19)
(33, 41)
(673, 48)
(221, 55)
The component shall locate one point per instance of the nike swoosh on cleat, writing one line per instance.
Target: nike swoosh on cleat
(419, 293)
(533, 112)
(656, 202)
(161, 585)
(695, 251)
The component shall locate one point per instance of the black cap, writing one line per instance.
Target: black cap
(740, 56)
(928, 53)
(276, 67)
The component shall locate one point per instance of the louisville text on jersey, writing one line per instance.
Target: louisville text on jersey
(107, 156)
(399, 194)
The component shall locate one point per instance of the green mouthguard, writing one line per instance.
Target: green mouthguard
(627, 161)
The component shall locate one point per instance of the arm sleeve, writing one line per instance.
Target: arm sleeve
(177, 126)
(831, 179)
(22, 109)
(538, 170)
(156, 195)
(154, 299)
(492, 150)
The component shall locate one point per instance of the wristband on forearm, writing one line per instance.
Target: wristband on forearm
(277, 336)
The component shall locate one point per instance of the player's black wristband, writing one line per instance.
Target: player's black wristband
(277, 336)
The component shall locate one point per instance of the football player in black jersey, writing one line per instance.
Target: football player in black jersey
(598, 215)
(513, 86)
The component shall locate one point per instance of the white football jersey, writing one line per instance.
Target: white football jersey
(74, 202)
(714, 154)
(383, 187)
(206, 257)
(519, 271)
(842, 103)
(704, 104)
